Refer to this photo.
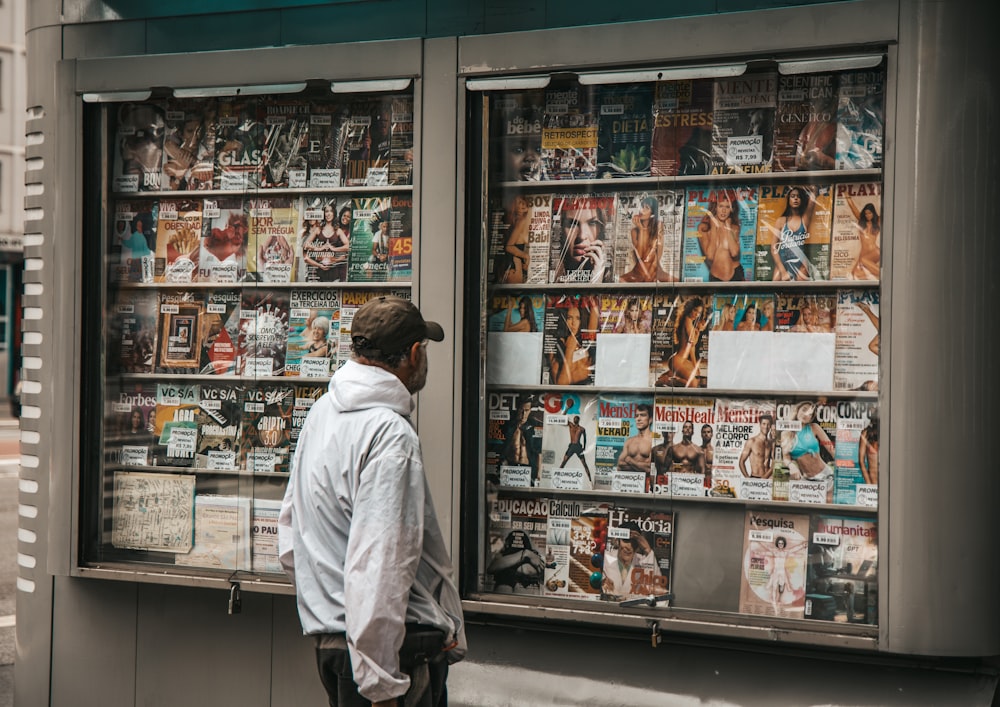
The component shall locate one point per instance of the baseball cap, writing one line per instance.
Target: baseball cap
(391, 324)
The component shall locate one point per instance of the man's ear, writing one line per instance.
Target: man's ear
(414, 355)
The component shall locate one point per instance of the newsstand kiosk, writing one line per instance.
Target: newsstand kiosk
(709, 422)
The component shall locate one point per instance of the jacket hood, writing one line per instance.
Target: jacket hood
(359, 387)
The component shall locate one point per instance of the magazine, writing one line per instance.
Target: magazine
(180, 331)
(400, 238)
(178, 240)
(569, 441)
(131, 414)
(856, 241)
(804, 434)
(273, 230)
(175, 425)
(134, 240)
(624, 442)
(638, 555)
(132, 333)
(857, 347)
(368, 259)
(515, 324)
(861, 119)
(577, 537)
(519, 239)
(286, 143)
(328, 127)
(775, 557)
(368, 142)
(260, 349)
(219, 418)
(221, 327)
(625, 128)
(225, 237)
(514, 427)
(306, 395)
(679, 340)
(805, 132)
(239, 145)
(313, 333)
(623, 340)
(743, 123)
(842, 579)
(855, 481)
(569, 346)
(744, 449)
(138, 147)
(221, 529)
(516, 545)
(742, 312)
(720, 230)
(806, 313)
(324, 238)
(793, 232)
(582, 238)
(682, 128)
(401, 141)
(517, 136)
(569, 132)
(648, 236)
(264, 536)
(267, 423)
(685, 450)
(189, 145)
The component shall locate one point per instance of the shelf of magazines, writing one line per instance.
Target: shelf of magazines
(665, 182)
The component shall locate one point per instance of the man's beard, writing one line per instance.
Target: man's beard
(419, 378)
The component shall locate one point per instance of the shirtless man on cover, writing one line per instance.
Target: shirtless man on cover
(682, 457)
(637, 450)
(577, 442)
(759, 449)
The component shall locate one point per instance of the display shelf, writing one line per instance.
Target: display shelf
(657, 287)
(208, 378)
(257, 284)
(871, 395)
(632, 182)
(251, 193)
(196, 471)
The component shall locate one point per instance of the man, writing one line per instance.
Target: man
(684, 457)
(577, 443)
(706, 446)
(637, 450)
(759, 449)
(357, 532)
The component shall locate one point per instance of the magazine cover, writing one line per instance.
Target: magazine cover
(401, 141)
(267, 423)
(515, 425)
(219, 419)
(744, 449)
(515, 326)
(264, 536)
(720, 231)
(743, 312)
(805, 132)
(225, 237)
(743, 123)
(856, 242)
(138, 148)
(306, 395)
(809, 313)
(221, 527)
(516, 545)
(805, 431)
(189, 145)
(328, 127)
(260, 349)
(400, 238)
(313, 333)
(679, 340)
(519, 239)
(368, 257)
(131, 413)
(793, 232)
(575, 544)
(861, 119)
(180, 331)
(369, 141)
(648, 236)
(516, 136)
(569, 132)
(273, 229)
(582, 238)
(569, 346)
(350, 302)
(684, 429)
(842, 579)
(682, 128)
(855, 481)
(638, 555)
(175, 425)
(178, 240)
(239, 145)
(133, 332)
(624, 442)
(625, 129)
(324, 238)
(569, 441)
(623, 340)
(286, 143)
(221, 330)
(134, 240)
(775, 557)
(857, 347)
